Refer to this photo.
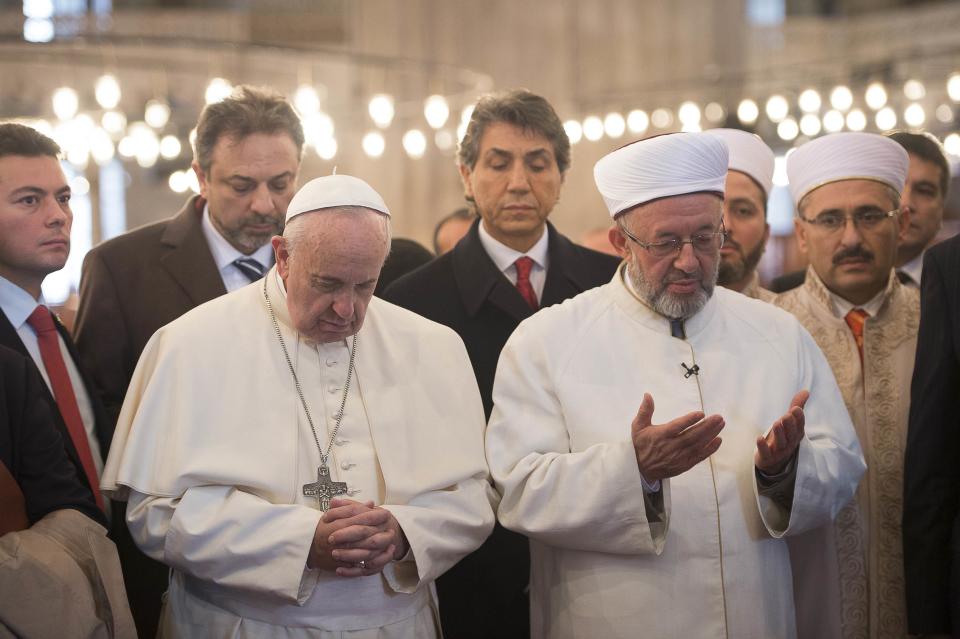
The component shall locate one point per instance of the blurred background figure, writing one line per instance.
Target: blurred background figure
(598, 239)
(924, 193)
(451, 229)
(749, 180)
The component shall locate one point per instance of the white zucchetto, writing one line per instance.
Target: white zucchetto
(748, 154)
(332, 191)
(661, 166)
(846, 156)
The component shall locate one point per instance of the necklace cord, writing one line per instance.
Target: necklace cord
(324, 456)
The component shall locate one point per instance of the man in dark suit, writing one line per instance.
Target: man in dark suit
(58, 570)
(931, 504)
(512, 162)
(32, 449)
(247, 158)
(35, 221)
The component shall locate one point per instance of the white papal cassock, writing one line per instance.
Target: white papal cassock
(213, 449)
(710, 562)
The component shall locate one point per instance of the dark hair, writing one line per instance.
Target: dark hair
(248, 110)
(926, 147)
(17, 139)
(460, 214)
(520, 108)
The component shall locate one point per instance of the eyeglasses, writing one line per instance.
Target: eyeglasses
(832, 222)
(701, 243)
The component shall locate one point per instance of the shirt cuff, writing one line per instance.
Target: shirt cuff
(770, 480)
(649, 488)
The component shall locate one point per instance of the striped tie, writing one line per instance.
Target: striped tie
(250, 267)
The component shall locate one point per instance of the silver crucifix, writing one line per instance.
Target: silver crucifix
(324, 488)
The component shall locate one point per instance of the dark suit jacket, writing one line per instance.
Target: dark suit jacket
(405, 256)
(134, 284)
(788, 281)
(931, 507)
(31, 447)
(103, 427)
(485, 595)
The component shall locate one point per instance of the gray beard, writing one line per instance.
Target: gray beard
(667, 304)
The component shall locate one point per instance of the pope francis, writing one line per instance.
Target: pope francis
(666, 530)
(306, 458)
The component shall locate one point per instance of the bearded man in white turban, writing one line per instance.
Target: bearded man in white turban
(305, 457)
(749, 181)
(651, 526)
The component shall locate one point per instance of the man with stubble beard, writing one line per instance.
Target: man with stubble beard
(749, 180)
(247, 157)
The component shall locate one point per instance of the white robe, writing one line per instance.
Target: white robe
(711, 563)
(209, 448)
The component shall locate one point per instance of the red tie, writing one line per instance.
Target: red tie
(524, 264)
(855, 320)
(42, 322)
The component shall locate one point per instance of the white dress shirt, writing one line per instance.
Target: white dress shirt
(913, 269)
(17, 305)
(504, 257)
(224, 255)
(841, 306)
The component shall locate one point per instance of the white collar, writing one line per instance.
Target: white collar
(16, 303)
(841, 306)
(504, 256)
(914, 268)
(223, 252)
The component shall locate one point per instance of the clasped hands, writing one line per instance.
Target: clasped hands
(356, 539)
(667, 450)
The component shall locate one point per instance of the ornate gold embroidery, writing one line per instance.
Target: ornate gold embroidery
(872, 582)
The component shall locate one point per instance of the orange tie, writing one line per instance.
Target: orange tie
(524, 265)
(42, 323)
(855, 320)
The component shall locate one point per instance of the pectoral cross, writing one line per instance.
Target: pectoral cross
(324, 488)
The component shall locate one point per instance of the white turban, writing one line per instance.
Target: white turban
(846, 156)
(661, 166)
(332, 191)
(748, 154)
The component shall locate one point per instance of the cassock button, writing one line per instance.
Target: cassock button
(341, 442)
(331, 362)
(346, 465)
(333, 391)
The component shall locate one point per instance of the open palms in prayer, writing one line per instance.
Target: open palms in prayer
(780, 443)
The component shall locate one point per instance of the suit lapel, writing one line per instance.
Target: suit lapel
(10, 339)
(566, 276)
(188, 260)
(480, 281)
(9, 336)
